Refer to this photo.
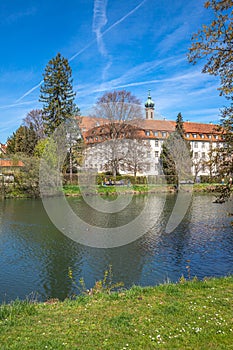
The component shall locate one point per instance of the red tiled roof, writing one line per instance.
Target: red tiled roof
(201, 130)
(10, 163)
(87, 123)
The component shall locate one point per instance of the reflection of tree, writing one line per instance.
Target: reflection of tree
(44, 253)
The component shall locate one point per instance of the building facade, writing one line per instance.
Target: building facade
(150, 133)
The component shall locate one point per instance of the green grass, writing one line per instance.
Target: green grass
(188, 315)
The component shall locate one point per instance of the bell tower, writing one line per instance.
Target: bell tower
(149, 106)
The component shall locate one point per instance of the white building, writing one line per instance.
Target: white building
(152, 132)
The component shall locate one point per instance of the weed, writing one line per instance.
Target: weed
(105, 285)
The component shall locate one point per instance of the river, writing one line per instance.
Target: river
(35, 256)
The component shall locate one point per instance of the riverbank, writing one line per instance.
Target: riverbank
(187, 315)
(74, 190)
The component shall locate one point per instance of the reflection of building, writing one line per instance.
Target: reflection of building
(202, 137)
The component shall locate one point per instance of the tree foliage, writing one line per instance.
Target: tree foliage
(214, 43)
(57, 94)
(180, 125)
(23, 140)
(176, 154)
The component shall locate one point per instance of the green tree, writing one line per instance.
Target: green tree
(176, 155)
(23, 141)
(180, 125)
(214, 43)
(57, 94)
(167, 161)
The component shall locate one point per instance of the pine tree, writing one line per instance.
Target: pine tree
(180, 125)
(57, 94)
(176, 155)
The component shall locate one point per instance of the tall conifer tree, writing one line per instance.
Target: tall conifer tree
(57, 94)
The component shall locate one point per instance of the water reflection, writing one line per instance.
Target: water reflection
(35, 256)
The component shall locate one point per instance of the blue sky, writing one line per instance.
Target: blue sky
(134, 45)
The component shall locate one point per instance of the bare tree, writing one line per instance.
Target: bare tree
(138, 156)
(120, 109)
(197, 164)
(34, 118)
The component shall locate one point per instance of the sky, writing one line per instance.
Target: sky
(136, 45)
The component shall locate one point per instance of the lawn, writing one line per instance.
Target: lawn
(186, 315)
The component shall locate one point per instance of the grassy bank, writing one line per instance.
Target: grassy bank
(74, 190)
(188, 315)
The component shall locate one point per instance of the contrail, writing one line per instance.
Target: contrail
(107, 30)
(88, 45)
(18, 104)
(99, 21)
(29, 91)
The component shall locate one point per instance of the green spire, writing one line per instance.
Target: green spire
(149, 103)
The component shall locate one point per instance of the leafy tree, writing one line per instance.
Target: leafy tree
(214, 43)
(23, 140)
(27, 179)
(57, 94)
(34, 119)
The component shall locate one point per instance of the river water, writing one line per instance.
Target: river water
(35, 256)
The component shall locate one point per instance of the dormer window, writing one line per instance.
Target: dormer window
(147, 132)
(155, 133)
(164, 134)
(187, 135)
(194, 136)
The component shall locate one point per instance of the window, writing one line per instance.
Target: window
(202, 136)
(187, 135)
(148, 167)
(216, 137)
(203, 145)
(147, 132)
(194, 136)
(164, 134)
(203, 155)
(209, 136)
(148, 154)
(156, 154)
(155, 133)
(196, 155)
(156, 143)
(195, 144)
